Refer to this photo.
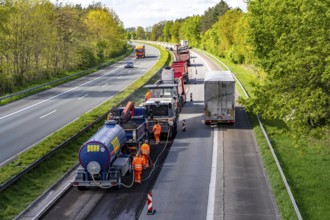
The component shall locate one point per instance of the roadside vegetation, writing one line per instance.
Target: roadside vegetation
(34, 183)
(41, 41)
(280, 51)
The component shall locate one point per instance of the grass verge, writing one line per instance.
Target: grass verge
(20, 194)
(305, 162)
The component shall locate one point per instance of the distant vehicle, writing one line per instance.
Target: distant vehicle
(219, 97)
(140, 51)
(129, 64)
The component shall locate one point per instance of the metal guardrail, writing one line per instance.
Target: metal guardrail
(50, 153)
(293, 201)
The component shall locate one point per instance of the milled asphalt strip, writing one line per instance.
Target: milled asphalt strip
(31, 106)
(46, 200)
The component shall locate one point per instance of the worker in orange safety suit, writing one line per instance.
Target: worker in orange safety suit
(138, 167)
(157, 129)
(148, 95)
(145, 152)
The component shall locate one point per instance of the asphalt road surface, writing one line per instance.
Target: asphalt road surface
(25, 122)
(210, 172)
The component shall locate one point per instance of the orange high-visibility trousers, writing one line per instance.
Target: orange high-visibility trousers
(138, 166)
(157, 129)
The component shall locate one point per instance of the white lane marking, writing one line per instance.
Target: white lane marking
(199, 57)
(47, 114)
(211, 199)
(82, 97)
(105, 84)
(31, 106)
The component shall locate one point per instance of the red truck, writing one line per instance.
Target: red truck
(183, 54)
(181, 70)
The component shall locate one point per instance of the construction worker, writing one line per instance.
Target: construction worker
(148, 95)
(138, 167)
(157, 129)
(145, 152)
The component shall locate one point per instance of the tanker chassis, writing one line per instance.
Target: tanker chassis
(106, 156)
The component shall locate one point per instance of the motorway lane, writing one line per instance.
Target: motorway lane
(25, 122)
(240, 189)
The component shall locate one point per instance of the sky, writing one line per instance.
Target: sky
(146, 13)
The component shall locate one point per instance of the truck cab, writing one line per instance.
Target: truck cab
(140, 51)
(164, 111)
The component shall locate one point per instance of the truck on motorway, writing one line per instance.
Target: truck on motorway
(140, 51)
(182, 54)
(219, 97)
(106, 157)
(180, 70)
(184, 43)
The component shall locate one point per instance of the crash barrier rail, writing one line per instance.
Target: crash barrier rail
(50, 153)
(27, 91)
(55, 149)
(293, 201)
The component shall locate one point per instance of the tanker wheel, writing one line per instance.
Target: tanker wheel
(130, 170)
(118, 181)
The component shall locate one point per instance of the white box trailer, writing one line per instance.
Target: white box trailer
(219, 97)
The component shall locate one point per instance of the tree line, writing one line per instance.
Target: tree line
(39, 40)
(287, 39)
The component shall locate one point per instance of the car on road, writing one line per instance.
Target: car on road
(129, 64)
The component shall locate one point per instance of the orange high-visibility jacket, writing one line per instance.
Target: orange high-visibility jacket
(137, 163)
(148, 95)
(157, 129)
(145, 149)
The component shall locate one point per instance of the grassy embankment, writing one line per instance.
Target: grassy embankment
(20, 194)
(305, 162)
(59, 79)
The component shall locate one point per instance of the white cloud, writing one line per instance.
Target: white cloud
(146, 13)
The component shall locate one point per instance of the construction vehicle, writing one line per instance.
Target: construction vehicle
(219, 97)
(106, 156)
(140, 51)
(168, 97)
(180, 70)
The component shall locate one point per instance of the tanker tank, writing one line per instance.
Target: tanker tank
(100, 150)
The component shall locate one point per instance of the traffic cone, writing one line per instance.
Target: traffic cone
(151, 211)
(184, 125)
(191, 97)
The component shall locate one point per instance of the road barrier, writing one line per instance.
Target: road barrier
(151, 210)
